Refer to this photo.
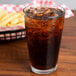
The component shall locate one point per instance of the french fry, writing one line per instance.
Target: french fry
(15, 21)
(19, 24)
(2, 13)
(21, 19)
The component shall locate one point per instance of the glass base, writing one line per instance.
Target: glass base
(37, 71)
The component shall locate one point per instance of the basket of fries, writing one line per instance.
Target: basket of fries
(12, 25)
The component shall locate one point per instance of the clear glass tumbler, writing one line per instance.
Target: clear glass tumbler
(43, 38)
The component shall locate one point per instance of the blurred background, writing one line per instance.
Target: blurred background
(69, 3)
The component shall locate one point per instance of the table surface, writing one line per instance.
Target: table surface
(14, 59)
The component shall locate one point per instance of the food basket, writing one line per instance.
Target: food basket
(13, 32)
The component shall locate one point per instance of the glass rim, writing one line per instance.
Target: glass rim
(50, 17)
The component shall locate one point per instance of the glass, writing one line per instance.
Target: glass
(43, 38)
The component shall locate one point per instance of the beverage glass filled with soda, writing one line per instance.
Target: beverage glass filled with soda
(44, 27)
